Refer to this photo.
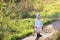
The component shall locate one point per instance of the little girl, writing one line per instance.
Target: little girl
(38, 26)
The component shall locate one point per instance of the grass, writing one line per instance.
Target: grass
(58, 35)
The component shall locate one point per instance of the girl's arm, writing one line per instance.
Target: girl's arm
(34, 30)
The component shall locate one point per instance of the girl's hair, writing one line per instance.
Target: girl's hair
(37, 15)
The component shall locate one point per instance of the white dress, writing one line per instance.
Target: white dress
(38, 25)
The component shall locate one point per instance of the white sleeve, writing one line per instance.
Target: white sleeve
(35, 23)
(41, 23)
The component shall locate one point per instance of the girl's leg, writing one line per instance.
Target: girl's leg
(38, 36)
(38, 33)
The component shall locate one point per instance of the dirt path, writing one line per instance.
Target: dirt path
(55, 25)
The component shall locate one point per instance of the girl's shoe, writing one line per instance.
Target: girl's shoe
(40, 35)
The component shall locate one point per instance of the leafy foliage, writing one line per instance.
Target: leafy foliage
(13, 14)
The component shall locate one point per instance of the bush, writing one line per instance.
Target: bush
(21, 35)
(1, 36)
